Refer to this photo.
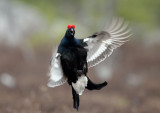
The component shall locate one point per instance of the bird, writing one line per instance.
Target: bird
(73, 57)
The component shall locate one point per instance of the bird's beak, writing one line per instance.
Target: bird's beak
(72, 31)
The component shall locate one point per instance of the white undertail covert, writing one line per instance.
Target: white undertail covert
(80, 85)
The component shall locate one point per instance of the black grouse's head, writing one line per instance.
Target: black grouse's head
(70, 31)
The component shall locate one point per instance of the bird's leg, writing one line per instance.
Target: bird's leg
(84, 70)
(80, 72)
(93, 86)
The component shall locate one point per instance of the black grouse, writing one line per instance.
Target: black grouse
(74, 57)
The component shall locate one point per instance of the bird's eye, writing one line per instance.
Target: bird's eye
(73, 26)
(69, 26)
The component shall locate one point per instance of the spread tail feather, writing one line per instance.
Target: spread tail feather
(93, 86)
(75, 99)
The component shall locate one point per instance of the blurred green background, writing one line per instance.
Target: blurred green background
(29, 31)
(91, 15)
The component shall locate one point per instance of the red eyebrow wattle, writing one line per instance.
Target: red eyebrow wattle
(69, 26)
(73, 26)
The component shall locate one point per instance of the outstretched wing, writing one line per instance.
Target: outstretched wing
(101, 44)
(57, 77)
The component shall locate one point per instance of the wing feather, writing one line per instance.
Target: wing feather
(57, 77)
(101, 44)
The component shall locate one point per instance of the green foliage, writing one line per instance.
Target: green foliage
(145, 12)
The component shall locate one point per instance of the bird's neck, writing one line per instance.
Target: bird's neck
(68, 36)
